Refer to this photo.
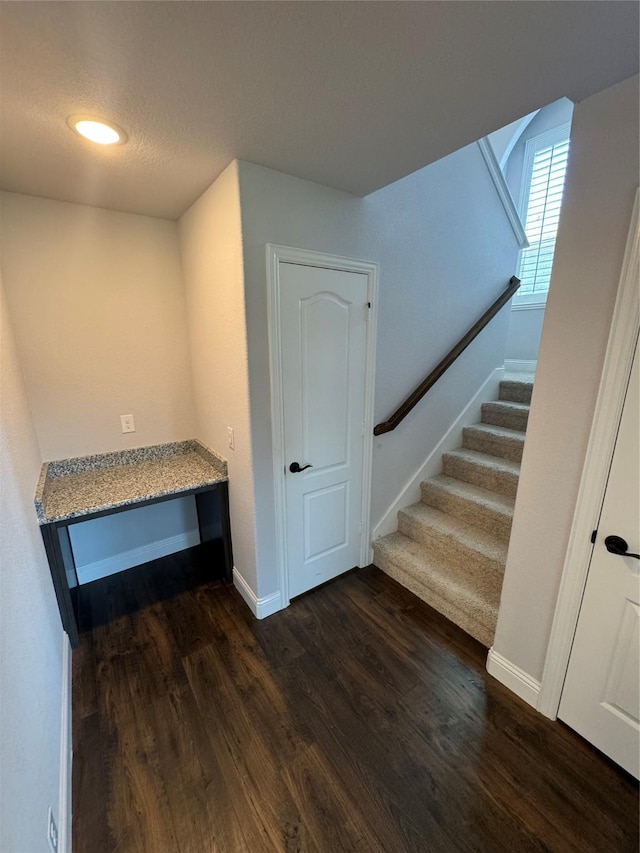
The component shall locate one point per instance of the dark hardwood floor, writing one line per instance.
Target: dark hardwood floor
(358, 719)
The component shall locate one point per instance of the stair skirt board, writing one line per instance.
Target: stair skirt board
(450, 548)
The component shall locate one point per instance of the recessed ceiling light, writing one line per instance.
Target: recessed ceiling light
(97, 130)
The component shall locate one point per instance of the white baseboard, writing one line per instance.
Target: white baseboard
(260, 607)
(137, 556)
(432, 465)
(516, 679)
(519, 365)
(66, 753)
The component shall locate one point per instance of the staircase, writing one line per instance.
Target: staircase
(451, 548)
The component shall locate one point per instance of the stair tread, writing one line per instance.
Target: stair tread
(498, 431)
(448, 578)
(486, 460)
(525, 379)
(508, 404)
(471, 536)
(501, 503)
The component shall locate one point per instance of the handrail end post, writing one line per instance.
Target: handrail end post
(380, 429)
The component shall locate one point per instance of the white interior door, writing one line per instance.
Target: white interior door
(323, 328)
(601, 695)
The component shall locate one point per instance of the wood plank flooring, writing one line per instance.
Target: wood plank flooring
(356, 720)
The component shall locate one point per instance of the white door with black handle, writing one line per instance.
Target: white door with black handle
(601, 694)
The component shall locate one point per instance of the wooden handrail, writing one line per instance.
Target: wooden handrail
(414, 398)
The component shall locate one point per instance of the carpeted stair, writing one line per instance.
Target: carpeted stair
(450, 549)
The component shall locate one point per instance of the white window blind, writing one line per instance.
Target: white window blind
(543, 202)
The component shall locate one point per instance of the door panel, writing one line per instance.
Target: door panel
(620, 696)
(601, 695)
(323, 321)
(326, 513)
(324, 335)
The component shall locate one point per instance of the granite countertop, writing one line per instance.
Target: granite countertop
(72, 488)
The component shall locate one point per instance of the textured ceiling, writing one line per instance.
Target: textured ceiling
(353, 95)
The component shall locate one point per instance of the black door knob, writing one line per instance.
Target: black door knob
(295, 467)
(617, 545)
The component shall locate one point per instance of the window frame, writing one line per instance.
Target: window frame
(553, 136)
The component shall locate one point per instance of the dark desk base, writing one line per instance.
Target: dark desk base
(212, 505)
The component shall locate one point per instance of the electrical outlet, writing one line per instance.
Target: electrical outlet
(127, 422)
(52, 832)
(230, 439)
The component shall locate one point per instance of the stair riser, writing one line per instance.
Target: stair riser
(516, 392)
(477, 628)
(447, 547)
(504, 417)
(502, 482)
(494, 445)
(485, 517)
(476, 595)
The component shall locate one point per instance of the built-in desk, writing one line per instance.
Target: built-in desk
(75, 490)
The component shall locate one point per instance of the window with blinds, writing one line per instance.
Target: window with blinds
(543, 180)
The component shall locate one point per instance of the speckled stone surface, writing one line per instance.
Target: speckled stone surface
(72, 488)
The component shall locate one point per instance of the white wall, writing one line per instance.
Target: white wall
(523, 336)
(445, 250)
(601, 182)
(505, 138)
(104, 546)
(98, 309)
(97, 304)
(211, 248)
(31, 636)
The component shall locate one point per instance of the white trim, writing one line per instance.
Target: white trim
(608, 411)
(451, 440)
(529, 306)
(137, 556)
(520, 365)
(522, 126)
(260, 607)
(66, 753)
(515, 679)
(287, 254)
(504, 193)
(529, 301)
